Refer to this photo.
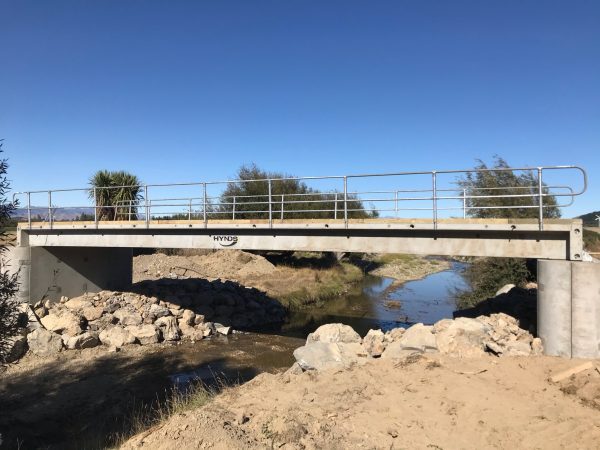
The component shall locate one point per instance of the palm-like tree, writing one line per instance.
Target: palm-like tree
(116, 195)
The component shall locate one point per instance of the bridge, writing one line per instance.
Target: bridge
(351, 213)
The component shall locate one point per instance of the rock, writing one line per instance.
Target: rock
(374, 343)
(319, 356)
(394, 335)
(16, 347)
(116, 336)
(159, 310)
(168, 326)
(505, 289)
(145, 334)
(88, 339)
(44, 343)
(462, 337)
(127, 316)
(517, 348)
(222, 329)
(78, 303)
(188, 317)
(64, 321)
(537, 348)
(332, 333)
(92, 312)
(418, 337)
(327, 355)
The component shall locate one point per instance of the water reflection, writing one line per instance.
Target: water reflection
(376, 304)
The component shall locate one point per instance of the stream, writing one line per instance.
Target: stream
(375, 303)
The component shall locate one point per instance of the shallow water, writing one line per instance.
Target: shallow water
(241, 356)
(379, 304)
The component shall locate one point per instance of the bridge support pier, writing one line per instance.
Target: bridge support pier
(53, 272)
(569, 308)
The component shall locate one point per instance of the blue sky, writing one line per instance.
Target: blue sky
(185, 91)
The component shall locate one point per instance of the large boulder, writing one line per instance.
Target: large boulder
(462, 337)
(374, 342)
(159, 310)
(333, 333)
(128, 316)
(169, 328)
(88, 339)
(327, 355)
(418, 337)
(92, 312)
(145, 334)
(78, 303)
(44, 343)
(116, 336)
(62, 322)
(16, 347)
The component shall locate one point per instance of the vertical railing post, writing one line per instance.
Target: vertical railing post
(29, 209)
(95, 207)
(190, 211)
(335, 206)
(281, 206)
(346, 201)
(541, 200)
(129, 213)
(205, 217)
(146, 206)
(434, 192)
(396, 203)
(464, 203)
(50, 208)
(270, 205)
(233, 217)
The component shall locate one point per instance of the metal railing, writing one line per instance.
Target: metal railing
(339, 203)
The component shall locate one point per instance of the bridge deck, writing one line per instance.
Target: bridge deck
(560, 239)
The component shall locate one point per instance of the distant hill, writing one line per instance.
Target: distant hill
(590, 218)
(60, 214)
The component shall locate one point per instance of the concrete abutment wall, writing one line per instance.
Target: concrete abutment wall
(569, 308)
(51, 272)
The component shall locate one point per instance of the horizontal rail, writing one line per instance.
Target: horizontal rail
(342, 201)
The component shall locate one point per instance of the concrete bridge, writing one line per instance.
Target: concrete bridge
(57, 258)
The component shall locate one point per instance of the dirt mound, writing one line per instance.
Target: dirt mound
(431, 401)
(228, 264)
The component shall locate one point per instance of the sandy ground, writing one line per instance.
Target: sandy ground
(411, 268)
(431, 403)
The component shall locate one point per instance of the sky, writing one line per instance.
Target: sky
(183, 91)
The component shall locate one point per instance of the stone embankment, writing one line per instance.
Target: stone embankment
(339, 346)
(169, 311)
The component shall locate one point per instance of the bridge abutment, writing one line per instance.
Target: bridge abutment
(53, 272)
(569, 308)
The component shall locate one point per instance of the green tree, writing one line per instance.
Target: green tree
(117, 195)
(500, 182)
(8, 282)
(250, 193)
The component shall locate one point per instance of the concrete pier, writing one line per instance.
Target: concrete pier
(51, 272)
(569, 308)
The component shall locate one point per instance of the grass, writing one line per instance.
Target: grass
(329, 283)
(177, 401)
(389, 258)
(591, 241)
